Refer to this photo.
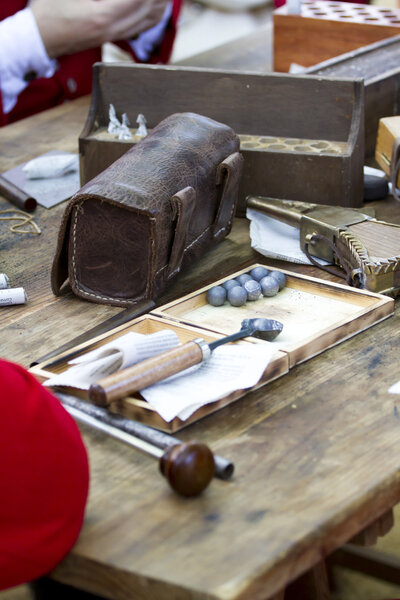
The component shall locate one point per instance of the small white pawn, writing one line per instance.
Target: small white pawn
(142, 129)
(114, 126)
(124, 132)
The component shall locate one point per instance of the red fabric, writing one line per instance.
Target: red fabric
(74, 76)
(43, 478)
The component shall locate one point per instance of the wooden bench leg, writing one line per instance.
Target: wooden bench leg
(357, 557)
(379, 528)
(368, 561)
(313, 585)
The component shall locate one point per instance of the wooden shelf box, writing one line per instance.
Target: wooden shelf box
(302, 137)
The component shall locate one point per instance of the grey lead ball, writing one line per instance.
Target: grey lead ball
(258, 273)
(280, 277)
(216, 295)
(237, 296)
(269, 286)
(253, 289)
(243, 278)
(230, 284)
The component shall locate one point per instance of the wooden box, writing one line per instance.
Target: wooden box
(316, 315)
(291, 148)
(378, 65)
(388, 131)
(325, 29)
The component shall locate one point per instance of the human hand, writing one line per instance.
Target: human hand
(73, 25)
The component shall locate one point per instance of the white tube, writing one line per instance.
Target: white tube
(12, 296)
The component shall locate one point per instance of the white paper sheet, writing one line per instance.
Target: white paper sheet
(275, 239)
(230, 368)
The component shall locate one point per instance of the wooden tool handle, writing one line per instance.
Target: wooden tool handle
(188, 467)
(145, 373)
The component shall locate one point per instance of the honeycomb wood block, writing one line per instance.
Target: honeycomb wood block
(326, 29)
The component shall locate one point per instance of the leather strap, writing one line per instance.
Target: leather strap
(352, 276)
(228, 176)
(183, 203)
(394, 167)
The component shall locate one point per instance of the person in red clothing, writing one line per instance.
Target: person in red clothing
(47, 48)
(44, 478)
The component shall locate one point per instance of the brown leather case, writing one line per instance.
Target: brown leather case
(129, 230)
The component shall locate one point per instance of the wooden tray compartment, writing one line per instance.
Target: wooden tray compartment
(316, 314)
(325, 29)
(135, 407)
(312, 158)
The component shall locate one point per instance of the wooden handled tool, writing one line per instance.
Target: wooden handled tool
(132, 432)
(187, 466)
(155, 369)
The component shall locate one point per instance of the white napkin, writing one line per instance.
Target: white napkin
(51, 165)
(118, 354)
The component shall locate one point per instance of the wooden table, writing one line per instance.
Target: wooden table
(316, 452)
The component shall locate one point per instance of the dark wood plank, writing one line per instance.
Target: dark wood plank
(373, 563)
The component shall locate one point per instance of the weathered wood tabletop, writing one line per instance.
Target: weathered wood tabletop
(316, 452)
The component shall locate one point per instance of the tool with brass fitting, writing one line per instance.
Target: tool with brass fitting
(368, 250)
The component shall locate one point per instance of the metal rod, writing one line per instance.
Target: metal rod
(114, 432)
(159, 439)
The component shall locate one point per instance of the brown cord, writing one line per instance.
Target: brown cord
(20, 215)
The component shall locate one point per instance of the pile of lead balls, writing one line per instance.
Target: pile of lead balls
(247, 287)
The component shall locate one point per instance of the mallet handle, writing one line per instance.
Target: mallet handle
(146, 373)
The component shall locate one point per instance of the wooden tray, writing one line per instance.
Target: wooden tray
(134, 407)
(316, 315)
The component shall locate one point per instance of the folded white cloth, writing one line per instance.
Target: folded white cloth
(51, 165)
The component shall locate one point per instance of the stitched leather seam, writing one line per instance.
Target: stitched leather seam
(84, 292)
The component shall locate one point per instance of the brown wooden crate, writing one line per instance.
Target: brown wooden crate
(378, 64)
(274, 105)
(325, 29)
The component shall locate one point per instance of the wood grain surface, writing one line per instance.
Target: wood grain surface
(316, 451)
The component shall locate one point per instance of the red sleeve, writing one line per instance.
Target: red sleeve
(43, 478)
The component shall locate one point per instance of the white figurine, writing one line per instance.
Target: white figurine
(124, 132)
(114, 125)
(142, 129)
